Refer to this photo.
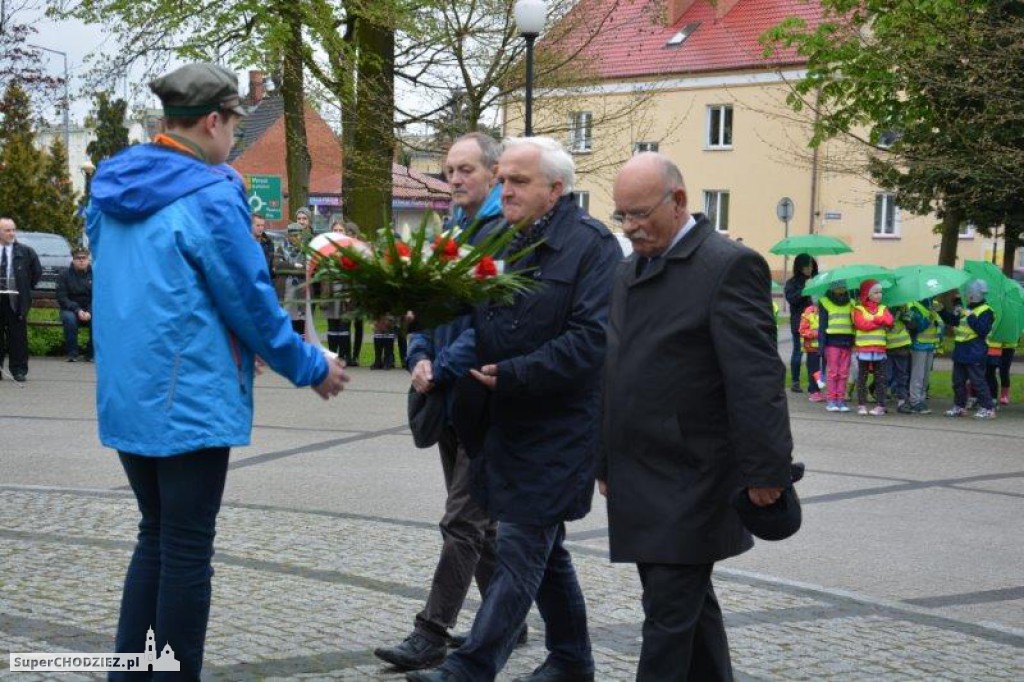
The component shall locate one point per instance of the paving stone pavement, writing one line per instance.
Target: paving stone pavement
(300, 595)
(908, 567)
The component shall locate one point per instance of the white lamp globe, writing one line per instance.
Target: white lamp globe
(530, 16)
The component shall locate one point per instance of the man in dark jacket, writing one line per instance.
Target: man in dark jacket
(804, 268)
(437, 358)
(259, 233)
(20, 271)
(74, 295)
(694, 410)
(541, 357)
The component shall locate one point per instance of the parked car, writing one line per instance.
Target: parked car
(54, 256)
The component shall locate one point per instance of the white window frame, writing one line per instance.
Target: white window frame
(883, 229)
(583, 199)
(581, 132)
(720, 136)
(639, 147)
(714, 213)
(967, 230)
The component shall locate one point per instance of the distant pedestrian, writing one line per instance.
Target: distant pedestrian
(871, 319)
(926, 331)
(970, 351)
(20, 272)
(183, 302)
(259, 233)
(804, 268)
(74, 296)
(836, 333)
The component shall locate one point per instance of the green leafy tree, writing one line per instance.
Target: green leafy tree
(21, 164)
(57, 200)
(940, 81)
(108, 118)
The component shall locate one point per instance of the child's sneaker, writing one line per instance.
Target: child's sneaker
(816, 397)
(982, 413)
(843, 407)
(832, 406)
(905, 408)
(879, 411)
(956, 411)
(1004, 396)
(920, 408)
(862, 409)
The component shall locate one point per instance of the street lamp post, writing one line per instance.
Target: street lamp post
(67, 98)
(530, 16)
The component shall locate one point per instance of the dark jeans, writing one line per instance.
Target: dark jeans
(684, 634)
(1001, 365)
(876, 367)
(975, 373)
(813, 365)
(533, 565)
(795, 356)
(898, 371)
(468, 547)
(13, 338)
(168, 582)
(71, 324)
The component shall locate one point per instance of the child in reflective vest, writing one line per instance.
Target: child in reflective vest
(835, 336)
(970, 351)
(871, 319)
(808, 329)
(926, 331)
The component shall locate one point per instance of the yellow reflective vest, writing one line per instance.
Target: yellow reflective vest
(898, 336)
(869, 339)
(929, 334)
(840, 317)
(964, 333)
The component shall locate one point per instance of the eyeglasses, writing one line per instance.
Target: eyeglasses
(622, 217)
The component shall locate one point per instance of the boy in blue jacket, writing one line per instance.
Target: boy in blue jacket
(970, 351)
(183, 303)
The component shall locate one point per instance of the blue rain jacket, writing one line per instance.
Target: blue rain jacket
(182, 300)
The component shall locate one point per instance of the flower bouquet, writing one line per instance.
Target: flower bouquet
(436, 279)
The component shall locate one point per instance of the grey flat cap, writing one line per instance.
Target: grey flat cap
(197, 89)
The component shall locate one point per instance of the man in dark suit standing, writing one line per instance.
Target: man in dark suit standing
(694, 409)
(19, 272)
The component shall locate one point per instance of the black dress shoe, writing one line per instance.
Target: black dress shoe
(549, 673)
(414, 653)
(436, 675)
(795, 388)
(458, 639)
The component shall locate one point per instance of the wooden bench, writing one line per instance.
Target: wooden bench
(49, 303)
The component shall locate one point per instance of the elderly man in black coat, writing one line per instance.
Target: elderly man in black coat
(694, 409)
(541, 360)
(20, 272)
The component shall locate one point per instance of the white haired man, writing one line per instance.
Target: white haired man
(541, 356)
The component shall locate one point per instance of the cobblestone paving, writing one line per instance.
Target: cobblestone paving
(306, 595)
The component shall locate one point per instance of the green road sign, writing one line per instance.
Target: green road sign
(265, 195)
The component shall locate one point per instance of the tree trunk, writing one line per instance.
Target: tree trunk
(1011, 242)
(293, 94)
(368, 160)
(950, 238)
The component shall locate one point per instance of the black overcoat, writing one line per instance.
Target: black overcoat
(540, 450)
(694, 403)
(27, 272)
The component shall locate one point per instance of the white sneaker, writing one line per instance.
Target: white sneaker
(956, 411)
(982, 413)
(843, 407)
(863, 409)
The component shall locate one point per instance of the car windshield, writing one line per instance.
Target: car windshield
(45, 244)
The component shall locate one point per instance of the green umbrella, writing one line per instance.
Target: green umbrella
(811, 244)
(776, 287)
(915, 282)
(1004, 298)
(853, 275)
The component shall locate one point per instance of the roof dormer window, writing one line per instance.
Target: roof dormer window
(684, 33)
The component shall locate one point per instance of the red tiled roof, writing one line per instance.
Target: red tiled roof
(632, 42)
(410, 185)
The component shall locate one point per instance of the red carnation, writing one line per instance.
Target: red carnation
(448, 247)
(401, 248)
(348, 263)
(486, 268)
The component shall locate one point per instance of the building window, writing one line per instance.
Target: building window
(720, 126)
(583, 200)
(716, 207)
(967, 231)
(887, 215)
(639, 147)
(580, 131)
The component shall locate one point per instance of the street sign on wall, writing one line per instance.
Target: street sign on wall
(264, 193)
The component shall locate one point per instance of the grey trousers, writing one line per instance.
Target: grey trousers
(920, 368)
(468, 548)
